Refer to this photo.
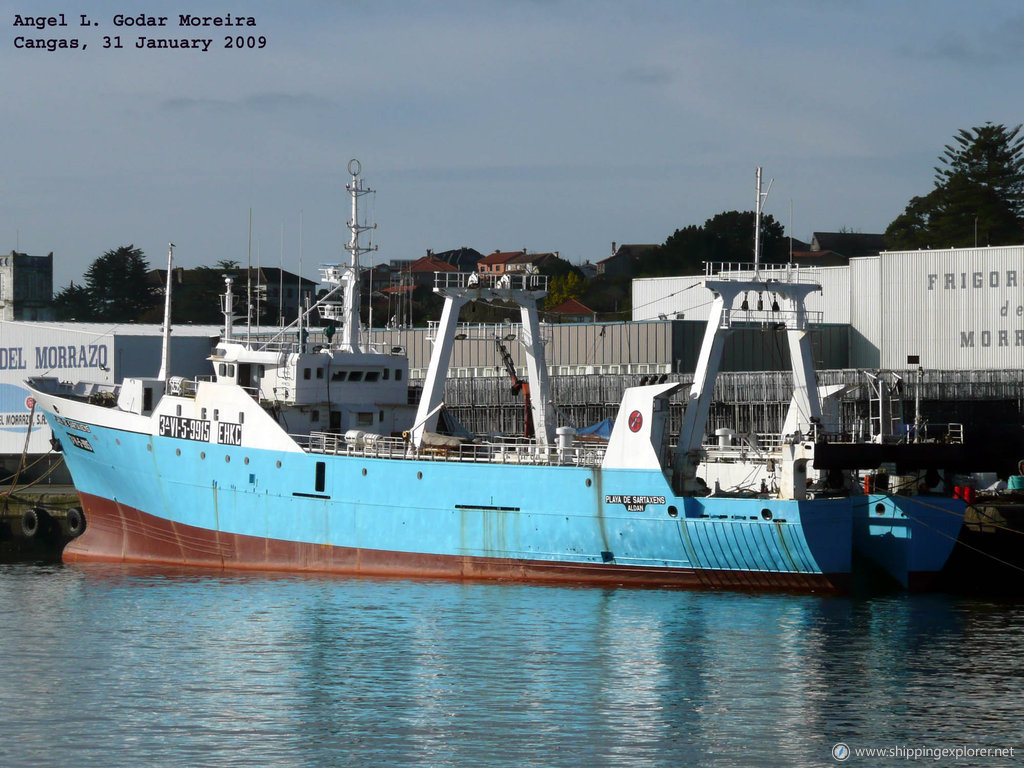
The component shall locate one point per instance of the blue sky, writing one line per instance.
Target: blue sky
(558, 125)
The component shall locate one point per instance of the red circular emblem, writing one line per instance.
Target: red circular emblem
(30, 402)
(636, 420)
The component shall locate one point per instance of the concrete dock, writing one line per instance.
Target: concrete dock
(35, 524)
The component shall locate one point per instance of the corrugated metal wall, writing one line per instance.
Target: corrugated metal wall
(633, 348)
(955, 309)
(865, 313)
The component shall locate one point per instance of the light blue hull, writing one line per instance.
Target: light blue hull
(170, 500)
(910, 538)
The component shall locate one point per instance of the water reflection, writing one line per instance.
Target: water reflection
(173, 667)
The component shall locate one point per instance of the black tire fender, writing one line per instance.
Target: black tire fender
(30, 523)
(74, 522)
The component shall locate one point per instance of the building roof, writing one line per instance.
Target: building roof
(848, 244)
(571, 307)
(501, 257)
(431, 263)
(820, 258)
(120, 329)
(464, 259)
(628, 251)
(532, 258)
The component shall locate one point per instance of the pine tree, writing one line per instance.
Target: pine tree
(117, 285)
(978, 197)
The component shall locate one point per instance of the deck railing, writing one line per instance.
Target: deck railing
(506, 451)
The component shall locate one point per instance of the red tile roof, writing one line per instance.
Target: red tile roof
(431, 264)
(571, 307)
(499, 257)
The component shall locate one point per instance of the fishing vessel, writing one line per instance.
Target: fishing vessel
(317, 457)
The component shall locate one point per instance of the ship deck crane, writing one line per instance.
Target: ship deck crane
(518, 387)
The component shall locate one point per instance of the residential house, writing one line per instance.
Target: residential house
(463, 259)
(499, 262)
(571, 311)
(847, 245)
(421, 272)
(623, 260)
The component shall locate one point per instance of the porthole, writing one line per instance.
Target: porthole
(278, 464)
(766, 514)
(364, 471)
(177, 451)
(247, 461)
(672, 511)
(419, 475)
(227, 458)
(202, 454)
(589, 482)
(879, 509)
(149, 447)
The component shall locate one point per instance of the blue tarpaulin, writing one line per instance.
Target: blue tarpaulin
(603, 428)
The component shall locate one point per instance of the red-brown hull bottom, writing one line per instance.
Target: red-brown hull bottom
(119, 534)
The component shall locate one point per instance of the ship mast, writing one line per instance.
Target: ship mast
(350, 280)
(759, 206)
(165, 352)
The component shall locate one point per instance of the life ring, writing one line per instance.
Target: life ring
(74, 522)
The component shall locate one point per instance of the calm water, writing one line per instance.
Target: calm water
(114, 666)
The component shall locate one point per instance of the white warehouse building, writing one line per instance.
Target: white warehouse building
(950, 309)
(82, 351)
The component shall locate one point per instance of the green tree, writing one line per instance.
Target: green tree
(610, 296)
(728, 236)
(117, 285)
(564, 287)
(74, 303)
(978, 197)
